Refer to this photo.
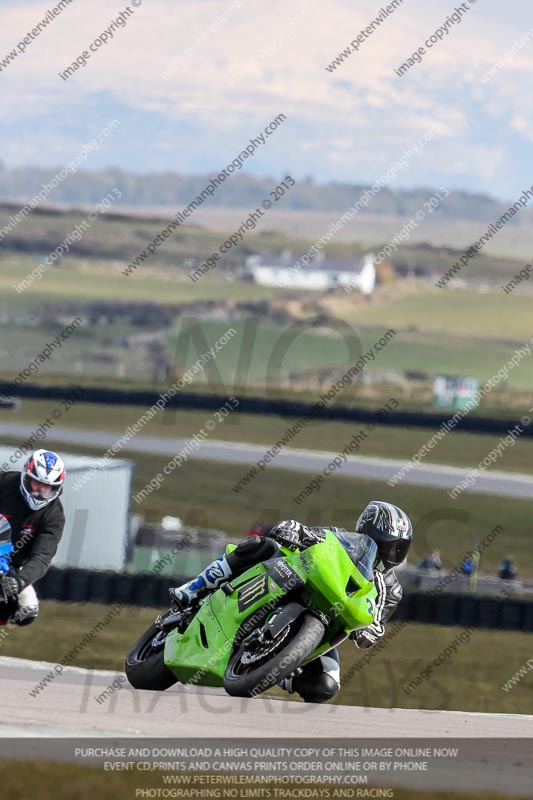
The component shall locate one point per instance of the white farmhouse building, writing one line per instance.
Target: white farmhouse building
(323, 273)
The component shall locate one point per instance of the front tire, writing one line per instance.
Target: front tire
(243, 679)
(145, 664)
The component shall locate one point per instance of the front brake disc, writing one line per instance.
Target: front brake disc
(250, 658)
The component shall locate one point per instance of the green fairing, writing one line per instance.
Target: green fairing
(333, 586)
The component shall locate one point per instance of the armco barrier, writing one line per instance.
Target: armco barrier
(263, 405)
(143, 589)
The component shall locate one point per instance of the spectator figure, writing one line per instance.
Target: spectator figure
(467, 566)
(431, 563)
(507, 569)
(258, 529)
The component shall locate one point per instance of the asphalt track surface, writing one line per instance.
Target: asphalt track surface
(495, 752)
(494, 482)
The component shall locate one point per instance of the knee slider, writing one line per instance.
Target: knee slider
(21, 622)
(315, 685)
(25, 615)
(316, 690)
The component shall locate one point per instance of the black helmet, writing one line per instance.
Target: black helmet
(390, 528)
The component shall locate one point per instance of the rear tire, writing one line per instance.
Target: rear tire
(242, 680)
(145, 666)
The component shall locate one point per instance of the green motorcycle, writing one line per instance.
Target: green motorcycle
(260, 626)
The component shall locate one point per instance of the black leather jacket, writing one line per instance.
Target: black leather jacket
(35, 534)
(388, 587)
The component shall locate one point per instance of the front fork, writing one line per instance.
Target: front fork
(172, 619)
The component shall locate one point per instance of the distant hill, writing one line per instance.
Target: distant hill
(240, 190)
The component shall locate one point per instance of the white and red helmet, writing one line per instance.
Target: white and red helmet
(48, 470)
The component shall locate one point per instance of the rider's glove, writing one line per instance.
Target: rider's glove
(291, 533)
(367, 637)
(287, 533)
(10, 586)
(310, 538)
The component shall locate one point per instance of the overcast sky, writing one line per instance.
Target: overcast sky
(248, 61)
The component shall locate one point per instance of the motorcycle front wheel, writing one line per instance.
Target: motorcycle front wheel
(145, 663)
(257, 666)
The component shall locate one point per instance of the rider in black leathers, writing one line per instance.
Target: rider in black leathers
(386, 524)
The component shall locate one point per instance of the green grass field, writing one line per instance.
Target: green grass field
(275, 350)
(84, 281)
(463, 332)
(482, 316)
(487, 315)
(456, 449)
(470, 681)
(200, 493)
(62, 625)
(204, 490)
(262, 356)
(48, 781)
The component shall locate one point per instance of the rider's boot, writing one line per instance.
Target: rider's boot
(250, 551)
(210, 578)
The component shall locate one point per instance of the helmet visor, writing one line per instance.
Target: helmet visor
(394, 552)
(40, 490)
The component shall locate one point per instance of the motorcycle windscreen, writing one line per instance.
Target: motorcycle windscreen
(362, 550)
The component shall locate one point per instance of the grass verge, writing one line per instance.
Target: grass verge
(201, 493)
(385, 441)
(46, 781)
(469, 681)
